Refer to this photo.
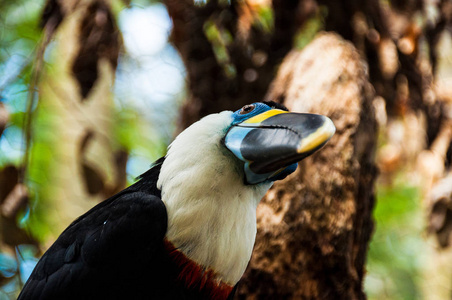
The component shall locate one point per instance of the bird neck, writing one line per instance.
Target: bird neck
(195, 277)
(217, 231)
(211, 212)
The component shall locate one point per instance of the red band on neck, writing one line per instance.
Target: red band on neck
(194, 276)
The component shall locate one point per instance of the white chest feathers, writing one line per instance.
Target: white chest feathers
(211, 213)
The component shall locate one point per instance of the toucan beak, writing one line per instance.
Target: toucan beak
(274, 140)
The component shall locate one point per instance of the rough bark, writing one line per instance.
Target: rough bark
(400, 41)
(314, 228)
(390, 39)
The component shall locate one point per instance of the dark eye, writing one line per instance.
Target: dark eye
(247, 109)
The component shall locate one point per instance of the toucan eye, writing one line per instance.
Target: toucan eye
(247, 109)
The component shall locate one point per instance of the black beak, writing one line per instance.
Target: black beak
(275, 139)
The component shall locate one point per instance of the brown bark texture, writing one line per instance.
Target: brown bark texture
(400, 41)
(390, 38)
(313, 229)
(76, 94)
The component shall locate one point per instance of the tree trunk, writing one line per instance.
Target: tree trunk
(314, 228)
(76, 110)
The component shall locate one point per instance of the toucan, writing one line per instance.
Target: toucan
(186, 228)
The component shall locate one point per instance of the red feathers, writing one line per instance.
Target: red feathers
(194, 276)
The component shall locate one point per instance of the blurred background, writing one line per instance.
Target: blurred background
(62, 150)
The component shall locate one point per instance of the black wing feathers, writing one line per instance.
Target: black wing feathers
(119, 238)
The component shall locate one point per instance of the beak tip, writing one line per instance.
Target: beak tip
(329, 127)
(319, 138)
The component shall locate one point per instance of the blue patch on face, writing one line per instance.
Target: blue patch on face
(234, 139)
(254, 109)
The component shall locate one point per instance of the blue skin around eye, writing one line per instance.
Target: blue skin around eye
(258, 109)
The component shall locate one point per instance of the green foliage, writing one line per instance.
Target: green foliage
(310, 28)
(40, 164)
(19, 33)
(395, 261)
(139, 138)
(265, 20)
(220, 38)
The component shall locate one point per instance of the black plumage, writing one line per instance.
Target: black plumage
(114, 251)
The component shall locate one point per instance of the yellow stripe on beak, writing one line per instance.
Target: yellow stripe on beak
(256, 120)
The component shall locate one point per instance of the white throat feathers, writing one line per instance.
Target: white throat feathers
(211, 212)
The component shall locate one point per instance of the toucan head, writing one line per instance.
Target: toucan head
(217, 170)
(270, 140)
